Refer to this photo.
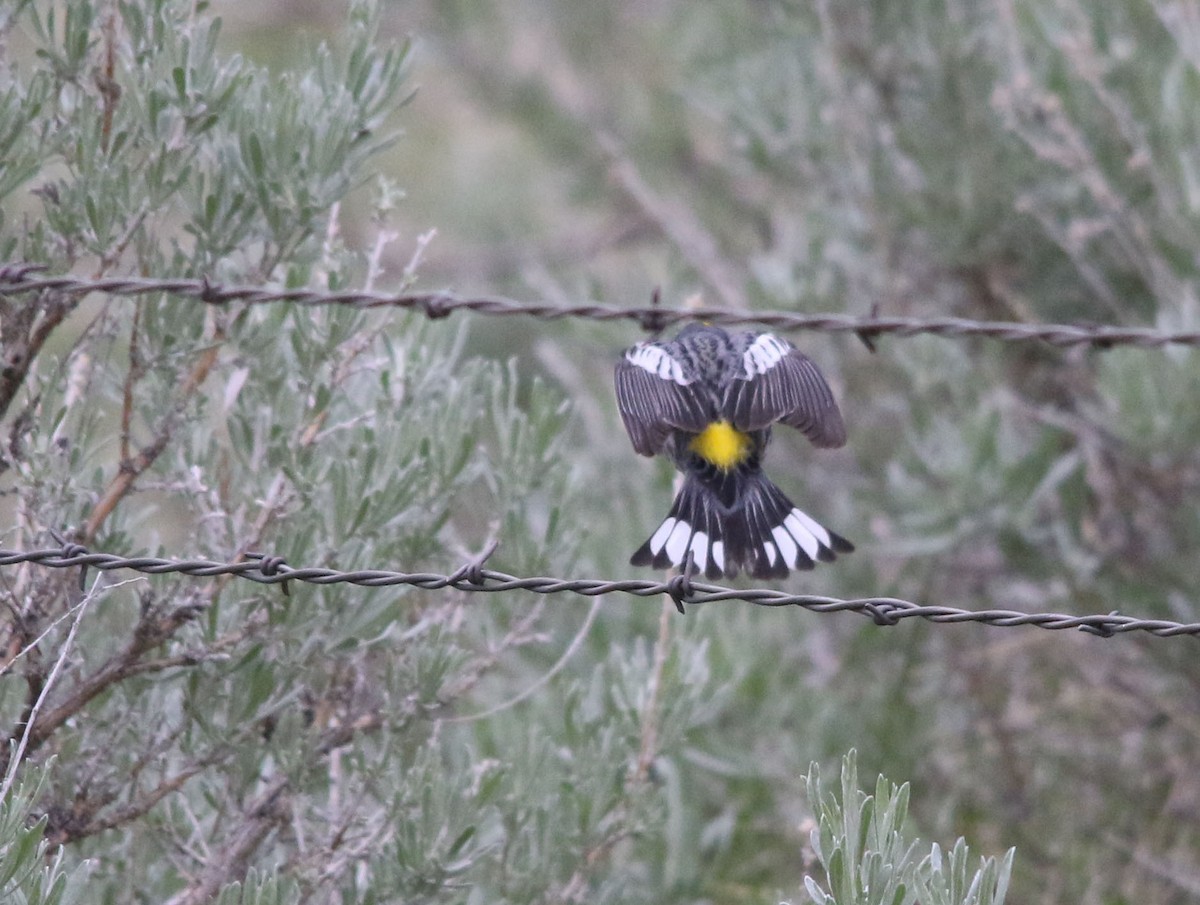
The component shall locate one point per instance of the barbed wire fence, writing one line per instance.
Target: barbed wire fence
(23, 279)
(473, 577)
(682, 589)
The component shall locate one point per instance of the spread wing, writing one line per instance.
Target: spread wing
(778, 383)
(656, 395)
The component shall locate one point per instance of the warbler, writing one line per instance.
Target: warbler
(708, 400)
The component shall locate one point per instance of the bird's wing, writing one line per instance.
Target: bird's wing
(779, 383)
(656, 395)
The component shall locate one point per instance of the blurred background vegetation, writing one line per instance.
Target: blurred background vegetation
(1015, 160)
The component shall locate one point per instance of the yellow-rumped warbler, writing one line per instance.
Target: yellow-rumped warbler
(708, 399)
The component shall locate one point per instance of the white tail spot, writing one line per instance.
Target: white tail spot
(700, 551)
(804, 537)
(661, 535)
(787, 546)
(811, 524)
(677, 543)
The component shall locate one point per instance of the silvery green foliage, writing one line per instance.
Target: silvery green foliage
(196, 161)
(1028, 160)
(223, 741)
(259, 889)
(862, 843)
(950, 880)
(31, 872)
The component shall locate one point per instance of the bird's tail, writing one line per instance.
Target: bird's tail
(761, 532)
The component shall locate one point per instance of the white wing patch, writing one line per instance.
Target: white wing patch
(764, 353)
(658, 362)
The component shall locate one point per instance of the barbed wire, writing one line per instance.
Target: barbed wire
(473, 577)
(20, 278)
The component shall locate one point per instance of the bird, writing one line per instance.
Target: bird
(708, 400)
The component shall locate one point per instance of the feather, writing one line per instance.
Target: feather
(778, 383)
(655, 397)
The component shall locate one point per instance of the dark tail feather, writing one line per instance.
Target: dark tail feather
(692, 524)
(762, 532)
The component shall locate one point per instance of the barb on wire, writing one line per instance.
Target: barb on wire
(22, 278)
(884, 611)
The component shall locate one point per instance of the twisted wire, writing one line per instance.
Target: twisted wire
(20, 278)
(473, 577)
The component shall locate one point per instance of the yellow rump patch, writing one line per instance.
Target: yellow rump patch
(722, 444)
